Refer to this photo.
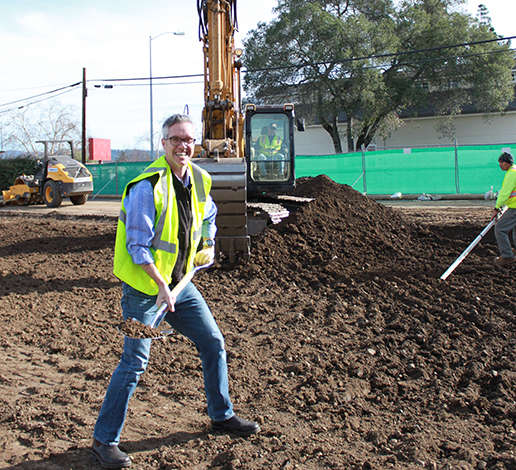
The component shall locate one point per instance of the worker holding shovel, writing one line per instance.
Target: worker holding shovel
(165, 210)
(507, 222)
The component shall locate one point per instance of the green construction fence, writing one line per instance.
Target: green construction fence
(437, 170)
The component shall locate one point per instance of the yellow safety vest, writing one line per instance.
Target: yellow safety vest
(267, 146)
(166, 226)
(507, 194)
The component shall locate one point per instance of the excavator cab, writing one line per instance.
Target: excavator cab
(269, 149)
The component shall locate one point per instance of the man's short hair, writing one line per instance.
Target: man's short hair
(506, 157)
(174, 119)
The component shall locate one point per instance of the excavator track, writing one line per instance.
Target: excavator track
(271, 209)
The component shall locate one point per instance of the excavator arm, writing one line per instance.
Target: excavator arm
(230, 149)
(222, 153)
(222, 117)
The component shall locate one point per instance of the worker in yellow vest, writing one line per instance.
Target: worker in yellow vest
(166, 213)
(269, 144)
(268, 147)
(507, 222)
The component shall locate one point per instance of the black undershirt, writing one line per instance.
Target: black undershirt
(184, 201)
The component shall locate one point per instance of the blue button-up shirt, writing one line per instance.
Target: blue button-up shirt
(140, 215)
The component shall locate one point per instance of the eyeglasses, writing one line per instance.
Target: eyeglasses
(174, 140)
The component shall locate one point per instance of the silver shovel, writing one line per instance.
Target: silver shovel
(163, 309)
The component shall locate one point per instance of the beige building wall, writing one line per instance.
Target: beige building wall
(482, 129)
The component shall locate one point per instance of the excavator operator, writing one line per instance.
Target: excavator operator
(268, 147)
(270, 143)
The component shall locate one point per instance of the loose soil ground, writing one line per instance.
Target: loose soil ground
(342, 342)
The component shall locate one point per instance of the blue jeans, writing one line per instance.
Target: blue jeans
(193, 319)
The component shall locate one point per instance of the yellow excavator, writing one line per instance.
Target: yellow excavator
(248, 152)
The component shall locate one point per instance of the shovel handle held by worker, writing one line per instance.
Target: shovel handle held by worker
(472, 245)
(162, 310)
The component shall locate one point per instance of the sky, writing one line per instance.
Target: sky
(46, 44)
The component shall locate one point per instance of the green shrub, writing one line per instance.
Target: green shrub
(13, 167)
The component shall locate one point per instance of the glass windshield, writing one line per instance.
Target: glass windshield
(270, 143)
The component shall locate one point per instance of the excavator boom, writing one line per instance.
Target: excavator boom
(222, 153)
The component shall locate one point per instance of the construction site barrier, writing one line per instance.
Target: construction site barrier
(440, 170)
(436, 170)
(110, 179)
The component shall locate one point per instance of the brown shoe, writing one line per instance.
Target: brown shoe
(504, 261)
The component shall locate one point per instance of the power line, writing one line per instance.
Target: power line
(435, 59)
(32, 87)
(35, 102)
(351, 59)
(41, 94)
(156, 84)
(145, 78)
(382, 56)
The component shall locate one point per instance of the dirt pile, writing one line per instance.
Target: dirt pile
(341, 341)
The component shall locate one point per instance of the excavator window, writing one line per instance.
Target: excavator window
(270, 144)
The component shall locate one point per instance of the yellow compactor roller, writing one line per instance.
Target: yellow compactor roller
(56, 177)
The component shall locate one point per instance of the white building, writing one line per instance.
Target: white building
(470, 129)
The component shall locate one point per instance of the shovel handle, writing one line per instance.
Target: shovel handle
(472, 245)
(161, 312)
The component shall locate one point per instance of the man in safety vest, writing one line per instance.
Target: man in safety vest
(269, 144)
(165, 212)
(506, 223)
(268, 147)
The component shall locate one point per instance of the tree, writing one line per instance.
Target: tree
(483, 16)
(52, 122)
(369, 60)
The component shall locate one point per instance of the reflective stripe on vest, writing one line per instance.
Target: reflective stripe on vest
(201, 193)
(157, 242)
(199, 184)
(513, 194)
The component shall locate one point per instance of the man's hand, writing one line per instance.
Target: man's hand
(164, 295)
(205, 256)
(495, 213)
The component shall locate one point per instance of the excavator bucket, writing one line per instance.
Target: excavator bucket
(229, 193)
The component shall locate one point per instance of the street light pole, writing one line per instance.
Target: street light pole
(175, 33)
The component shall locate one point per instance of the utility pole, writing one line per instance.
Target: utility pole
(84, 95)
